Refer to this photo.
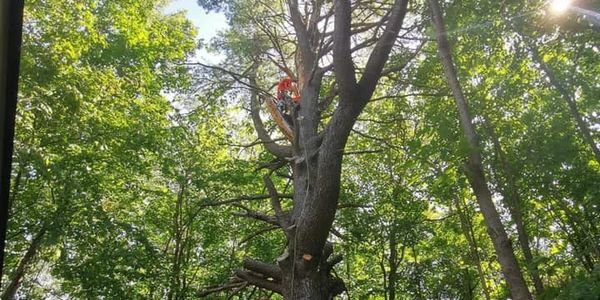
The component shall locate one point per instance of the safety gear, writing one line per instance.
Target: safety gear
(288, 87)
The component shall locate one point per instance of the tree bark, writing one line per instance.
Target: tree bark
(502, 245)
(513, 198)
(24, 263)
(317, 174)
(312, 285)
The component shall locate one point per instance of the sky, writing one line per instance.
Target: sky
(208, 24)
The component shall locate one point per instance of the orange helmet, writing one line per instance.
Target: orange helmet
(287, 85)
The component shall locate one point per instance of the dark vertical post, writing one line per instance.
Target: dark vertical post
(11, 22)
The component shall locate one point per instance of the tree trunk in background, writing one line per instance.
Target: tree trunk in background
(474, 168)
(574, 237)
(393, 275)
(15, 189)
(393, 260)
(417, 273)
(467, 228)
(175, 288)
(24, 264)
(567, 96)
(510, 192)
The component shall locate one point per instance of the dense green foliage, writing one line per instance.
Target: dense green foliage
(121, 196)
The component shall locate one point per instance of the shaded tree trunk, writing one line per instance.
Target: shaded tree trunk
(178, 232)
(15, 190)
(513, 197)
(312, 285)
(568, 97)
(24, 264)
(417, 276)
(502, 245)
(393, 260)
(467, 228)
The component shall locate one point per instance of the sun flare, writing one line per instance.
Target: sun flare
(559, 6)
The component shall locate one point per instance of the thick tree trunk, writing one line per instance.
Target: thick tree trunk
(311, 285)
(513, 197)
(474, 168)
(24, 264)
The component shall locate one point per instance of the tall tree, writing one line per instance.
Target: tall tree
(304, 271)
(474, 167)
(512, 195)
(567, 95)
(91, 114)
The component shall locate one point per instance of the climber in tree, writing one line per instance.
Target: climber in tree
(287, 97)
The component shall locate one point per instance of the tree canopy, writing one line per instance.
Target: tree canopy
(440, 150)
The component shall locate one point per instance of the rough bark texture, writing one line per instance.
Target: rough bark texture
(178, 281)
(474, 168)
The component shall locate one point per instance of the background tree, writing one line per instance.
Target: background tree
(474, 167)
(91, 117)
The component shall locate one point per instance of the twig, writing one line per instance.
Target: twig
(260, 232)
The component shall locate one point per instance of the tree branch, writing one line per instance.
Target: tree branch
(331, 94)
(236, 76)
(276, 202)
(399, 68)
(260, 232)
(304, 41)
(242, 198)
(251, 144)
(336, 259)
(233, 284)
(248, 213)
(265, 269)
(358, 152)
(381, 52)
(342, 58)
(259, 281)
